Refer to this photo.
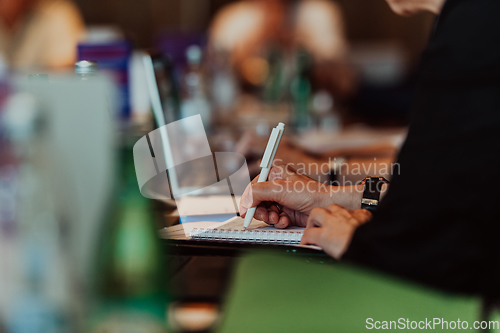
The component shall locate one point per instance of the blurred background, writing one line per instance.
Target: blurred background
(83, 81)
(380, 48)
(145, 21)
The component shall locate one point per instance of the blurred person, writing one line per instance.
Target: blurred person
(39, 33)
(437, 223)
(249, 30)
(373, 144)
(356, 162)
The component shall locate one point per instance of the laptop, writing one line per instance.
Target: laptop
(190, 166)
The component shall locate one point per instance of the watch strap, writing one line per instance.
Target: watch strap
(371, 193)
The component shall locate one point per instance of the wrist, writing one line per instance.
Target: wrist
(346, 196)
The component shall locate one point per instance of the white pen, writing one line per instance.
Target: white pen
(267, 162)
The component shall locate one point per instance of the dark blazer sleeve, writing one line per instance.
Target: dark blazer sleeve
(439, 222)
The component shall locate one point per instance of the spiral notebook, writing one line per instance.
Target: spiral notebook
(232, 231)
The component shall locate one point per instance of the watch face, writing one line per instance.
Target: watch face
(369, 207)
(373, 187)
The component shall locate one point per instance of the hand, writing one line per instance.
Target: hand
(332, 228)
(297, 193)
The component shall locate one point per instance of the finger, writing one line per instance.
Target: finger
(246, 200)
(317, 217)
(340, 211)
(259, 192)
(311, 236)
(335, 208)
(273, 217)
(273, 206)
(362, 215)
(261, 214)
(295, 218)
(274, 213)
(283, 222)
(245, 197)
(300, 219)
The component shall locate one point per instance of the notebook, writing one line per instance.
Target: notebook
(232, 231)
(215, 208)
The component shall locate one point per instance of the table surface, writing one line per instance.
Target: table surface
(200, 271)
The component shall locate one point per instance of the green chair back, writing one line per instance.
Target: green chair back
(273, 293)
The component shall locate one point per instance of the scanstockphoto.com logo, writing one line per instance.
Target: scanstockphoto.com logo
(176, 161)
(432, 324)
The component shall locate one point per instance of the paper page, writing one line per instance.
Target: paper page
(181, 231)
(236, 224)
(206, 205)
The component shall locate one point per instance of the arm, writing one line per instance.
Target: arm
(348, 197)
(298, 194)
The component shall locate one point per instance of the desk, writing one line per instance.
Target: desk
(227, 249)
(188, 258)
(201, 272)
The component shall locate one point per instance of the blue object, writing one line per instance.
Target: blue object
(113, 58)
(209, 218)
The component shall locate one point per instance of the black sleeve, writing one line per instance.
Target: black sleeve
(439, 222)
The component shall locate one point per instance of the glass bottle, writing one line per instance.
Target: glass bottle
(300, 91)
(194, 95)
(86, 69)
(130, 278)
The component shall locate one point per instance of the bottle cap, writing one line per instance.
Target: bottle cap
(86, 67)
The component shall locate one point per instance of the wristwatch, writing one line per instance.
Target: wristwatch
(371, 193)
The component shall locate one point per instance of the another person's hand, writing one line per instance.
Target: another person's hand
(332, 228)
(296, 193)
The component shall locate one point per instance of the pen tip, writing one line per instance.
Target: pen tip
(244, 228)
